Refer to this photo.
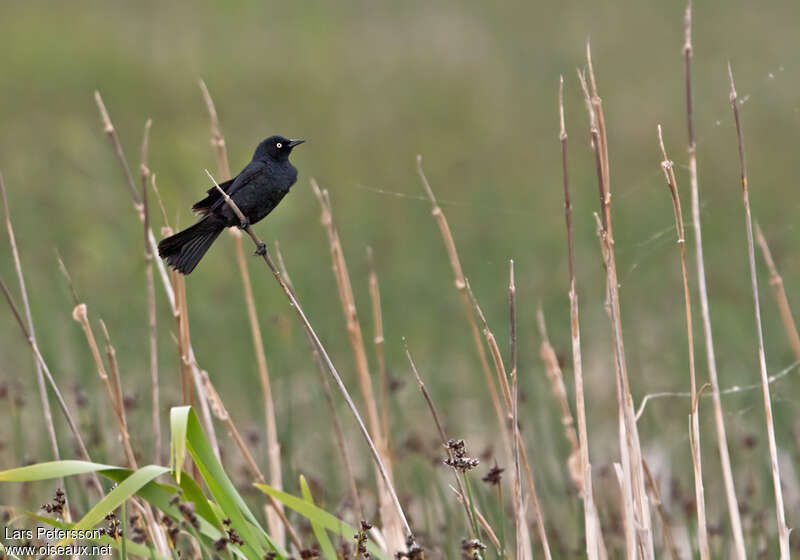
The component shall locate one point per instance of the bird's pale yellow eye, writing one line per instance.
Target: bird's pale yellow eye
(279, 145)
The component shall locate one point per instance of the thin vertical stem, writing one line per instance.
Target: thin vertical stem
(594, 538)
(719, 417)
(783, 530)
(702, 531)
(46, 411)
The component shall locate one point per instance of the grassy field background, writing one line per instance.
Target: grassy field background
(471, 86)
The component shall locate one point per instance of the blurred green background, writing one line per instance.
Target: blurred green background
(470, 85)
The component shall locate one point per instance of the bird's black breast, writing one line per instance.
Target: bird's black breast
(264, 185)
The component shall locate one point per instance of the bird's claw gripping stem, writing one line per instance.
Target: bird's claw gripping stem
(261, 249)
(244, 223)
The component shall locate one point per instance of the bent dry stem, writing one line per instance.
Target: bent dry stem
(261, 250)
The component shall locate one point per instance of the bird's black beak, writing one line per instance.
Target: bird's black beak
(293, 143)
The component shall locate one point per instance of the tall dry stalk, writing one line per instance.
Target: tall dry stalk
(783, 530)
(719, 417)
(273, 445)
(629, 432)
(261, 250)
(776, 282)
(461, 287)
(595, 547)
(144, 173)
(167, 279)
(521, 533)
(391, 526)
(73, 426)
(702, 531)
(111, 381)
(40, 381)
(337, 427)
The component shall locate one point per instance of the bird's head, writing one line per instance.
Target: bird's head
(276, 147)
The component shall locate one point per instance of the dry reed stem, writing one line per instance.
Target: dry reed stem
(119, 405)
(337, 427)
(520, 528)
(461, 286)
(261, 250)
(111, 132)
(377, 326)
(442, 436)
(497, 358)
(222, 414)
(672, 185)
(114, 390)
(669, 541)
(167, 279)
(73, 426)
(776, 282)
(783, 530)
(273, 445)
(719, 417)
(595, 546)
(494, 352)
(46, 411)
(391, 527)
(144, 173)
(629, 434)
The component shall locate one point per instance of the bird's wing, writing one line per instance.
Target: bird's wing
(214, 199)
(203, 207)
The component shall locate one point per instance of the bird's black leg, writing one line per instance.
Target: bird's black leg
(261, 249)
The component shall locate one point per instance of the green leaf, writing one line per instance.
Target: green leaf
(178, 420)
(50, 470)
(319, 516)
(322, 537)
(225, 493)
(113, 499)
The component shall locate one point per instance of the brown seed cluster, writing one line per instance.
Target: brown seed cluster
(58, 503)
(114, 528)
(231, 536)
(458, 459)
(472, 548)
(413, 550)
(361, 540)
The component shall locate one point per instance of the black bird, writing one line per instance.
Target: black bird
(257, 190)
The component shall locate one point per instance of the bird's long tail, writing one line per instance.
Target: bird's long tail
(184, 250)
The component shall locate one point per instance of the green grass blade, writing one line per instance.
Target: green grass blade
(159, 495)
(113, 499)
(178, 420)
(50, 470)
(324, 541)
(319, 516)
(225, 493)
